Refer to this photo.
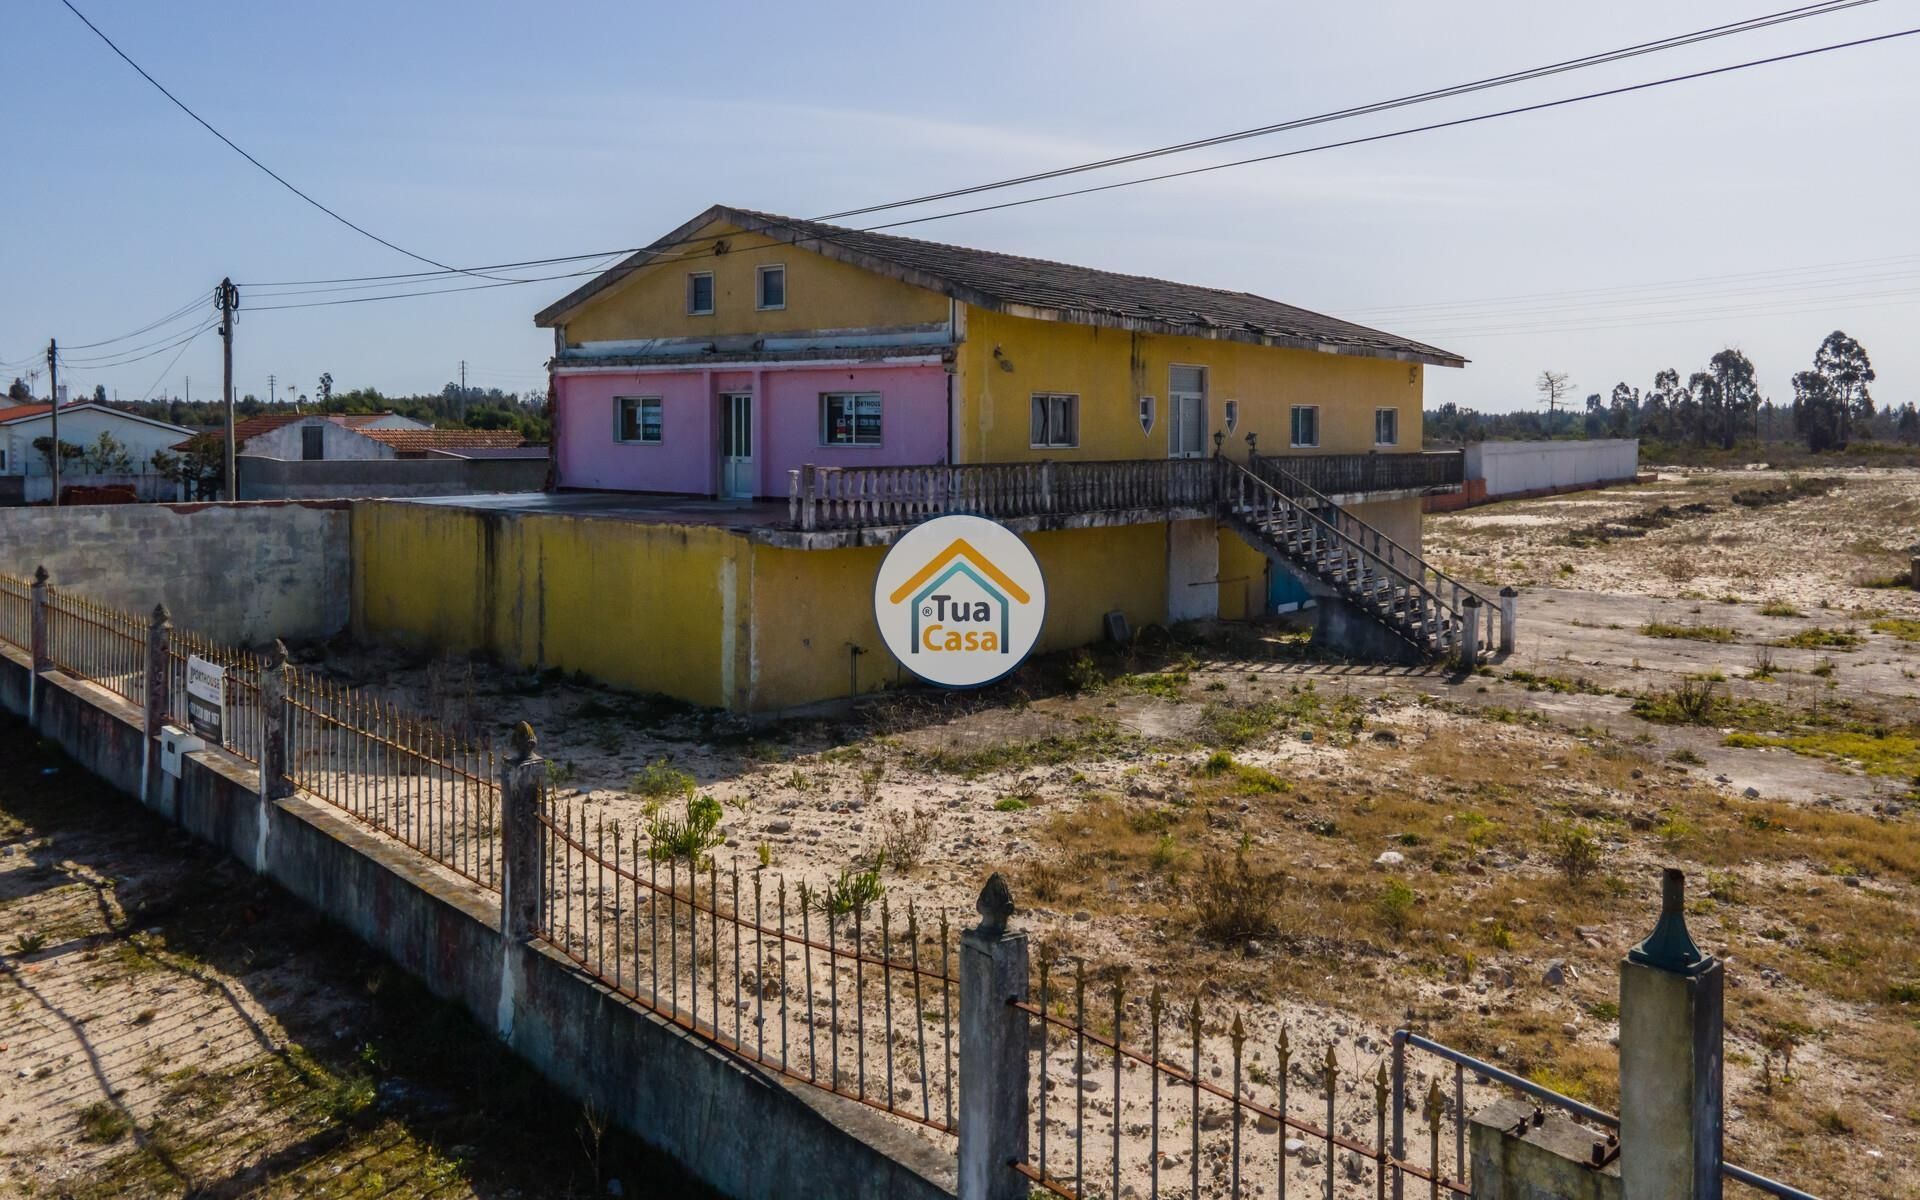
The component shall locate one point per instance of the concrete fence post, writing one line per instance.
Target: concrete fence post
(41, 648)
(274, 781)
(1469, 632)
(520, 778)
(993, 1051)
(1509, 613)
(1671, 1029)
(158, 699)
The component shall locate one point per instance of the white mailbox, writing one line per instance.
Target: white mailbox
(175, 744)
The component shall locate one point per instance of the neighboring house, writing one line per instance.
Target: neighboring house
(310, 434)
(80, 425)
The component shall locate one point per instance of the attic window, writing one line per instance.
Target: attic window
(700, 293)
(770, 287)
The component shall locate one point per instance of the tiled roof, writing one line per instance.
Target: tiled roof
(21, 412)
(419, 441)
(1038, 287)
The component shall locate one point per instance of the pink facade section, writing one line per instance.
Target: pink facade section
(786, 416)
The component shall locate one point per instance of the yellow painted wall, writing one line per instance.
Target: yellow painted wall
(821, 294)
(694, 612)
(1110, 369)
(1243, 577)
(648, 607)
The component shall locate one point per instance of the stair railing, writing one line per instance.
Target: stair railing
(1256, 500)
(1403, 560)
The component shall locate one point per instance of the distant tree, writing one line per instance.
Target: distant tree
(107, 456)
(68, 452)
(1907, 428)
(326, 391)
(1844, 362)
(1554, 388)
(99, 393)
(19, 392)
(1818, 415)
(199, 469)
(1736, 394)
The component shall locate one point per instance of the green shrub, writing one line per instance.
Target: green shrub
(686, 839)
(660, 783)
(1394, 906)
(1233, 901)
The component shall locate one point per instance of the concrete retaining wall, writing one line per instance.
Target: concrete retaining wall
(1510, 467)
(296, 479)
(741, 1130)
(240, 573)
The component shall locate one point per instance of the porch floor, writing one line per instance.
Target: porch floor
(622, 506)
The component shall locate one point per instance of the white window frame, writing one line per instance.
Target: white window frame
(640, 424)
(1174, 396)
(759, 287)
(1395, 439)
(880, 405)
(1293, 426)
(713, 294)
(1050, 439)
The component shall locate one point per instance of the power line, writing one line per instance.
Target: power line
(122, 362)
(89, 359)
(1461, 89)
(1456, 122)
(1591, 60)
(197, 302)
(1399, 133)
(168, 369)
(235, 147)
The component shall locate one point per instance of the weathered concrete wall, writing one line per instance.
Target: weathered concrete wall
(242, 573)
(1548, 1161)
(1510, 467)
(38, 489)
(743, 1131)
(277, 479)
(1193, 570)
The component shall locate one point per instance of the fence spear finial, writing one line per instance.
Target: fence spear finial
(995, 905)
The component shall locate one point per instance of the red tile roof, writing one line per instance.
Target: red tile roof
(419, 441)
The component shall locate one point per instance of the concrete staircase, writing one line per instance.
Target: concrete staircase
(1343, 559)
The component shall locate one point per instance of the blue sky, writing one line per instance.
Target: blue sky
(484, 132)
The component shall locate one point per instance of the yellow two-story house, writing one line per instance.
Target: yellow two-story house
(750, 410)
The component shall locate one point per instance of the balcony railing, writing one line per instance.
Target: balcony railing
(822, 498)
(1360, 474)
(863, 497)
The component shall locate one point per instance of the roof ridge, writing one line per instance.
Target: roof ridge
(1025, 258)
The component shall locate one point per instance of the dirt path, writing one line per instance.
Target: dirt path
(172, 1026)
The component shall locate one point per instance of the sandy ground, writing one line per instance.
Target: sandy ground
(1098, 802)
(171, 1026)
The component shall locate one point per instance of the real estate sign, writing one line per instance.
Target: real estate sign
(207, 698)
(960, 601)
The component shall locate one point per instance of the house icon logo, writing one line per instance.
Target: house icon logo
(960, 600)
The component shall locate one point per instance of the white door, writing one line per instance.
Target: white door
(737, 476)
(1187, 413)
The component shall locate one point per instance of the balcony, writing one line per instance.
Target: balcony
(873, 505)
(1361, 478)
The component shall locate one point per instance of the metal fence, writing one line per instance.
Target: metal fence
(98, 644)
(822, 985)
(241, 731)
(1192, 1104)
(16, 612)
(429, 788)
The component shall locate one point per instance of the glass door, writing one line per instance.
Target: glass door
(737, 476)
(1187, 412)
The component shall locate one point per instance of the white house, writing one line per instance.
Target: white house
(81, 425)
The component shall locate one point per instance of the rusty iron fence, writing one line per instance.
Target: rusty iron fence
(16, 612)
(814, 983)
(98, 644)
(240, 732)
(426, 786)
(1195, 1104)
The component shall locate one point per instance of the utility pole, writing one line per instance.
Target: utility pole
(53, 383)
(227, 301)
(270, 378)
(463, 390)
